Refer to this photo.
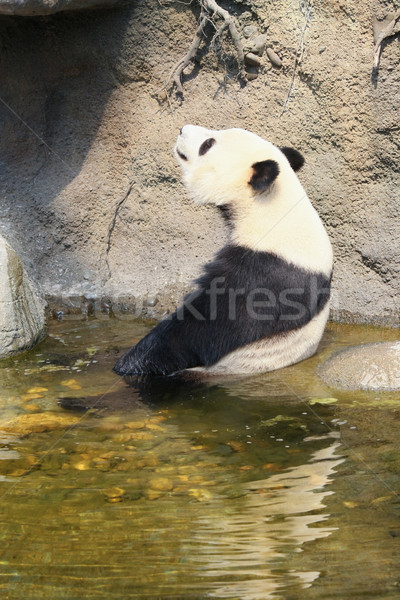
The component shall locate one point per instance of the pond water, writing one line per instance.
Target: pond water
(272, 486)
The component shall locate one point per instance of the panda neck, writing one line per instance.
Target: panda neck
(293, 231)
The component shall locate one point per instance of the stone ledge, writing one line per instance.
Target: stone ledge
(30, 8)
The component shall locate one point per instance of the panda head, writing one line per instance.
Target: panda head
(235, 166)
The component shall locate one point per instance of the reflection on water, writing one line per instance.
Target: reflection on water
(274, 521)
(243, 489)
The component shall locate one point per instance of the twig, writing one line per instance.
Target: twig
(382, 30)
(298, 59)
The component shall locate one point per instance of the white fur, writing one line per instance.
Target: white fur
(272, 353)
(281, 220)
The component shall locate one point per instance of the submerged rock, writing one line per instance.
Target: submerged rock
(29, 8)
(22, 317)
(374, 367)
(161, 484)
(26, 424)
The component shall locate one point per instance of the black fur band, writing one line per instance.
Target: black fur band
(242, 297)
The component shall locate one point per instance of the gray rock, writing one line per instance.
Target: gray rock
(274, 58)
(151, 302)
(252, 59)
(22, 319)
(30, 8)
(258, 44)
(249, 31)
(251, 73)
(374, 367)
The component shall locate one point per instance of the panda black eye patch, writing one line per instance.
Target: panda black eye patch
(181, 155)
(205, 146)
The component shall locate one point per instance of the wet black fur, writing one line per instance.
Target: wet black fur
(195, 336)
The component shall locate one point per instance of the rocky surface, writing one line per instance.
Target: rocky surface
(373, 367)
(91, 196)
(28, 8)
(22, 319)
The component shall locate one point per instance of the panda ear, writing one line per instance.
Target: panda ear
(295, 158)
(264, 173)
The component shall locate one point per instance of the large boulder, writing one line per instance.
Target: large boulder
(22, 311)
(29, 8)
(373, 367)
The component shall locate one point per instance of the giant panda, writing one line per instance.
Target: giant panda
(263, 302)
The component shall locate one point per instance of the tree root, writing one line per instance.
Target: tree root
(382, 30)
(177, 71)
(209, 11)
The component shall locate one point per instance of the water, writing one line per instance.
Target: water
(245, 489)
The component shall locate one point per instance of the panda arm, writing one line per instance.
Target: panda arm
(175, 344)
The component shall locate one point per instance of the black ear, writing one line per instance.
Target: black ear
(296, 160)
(264, 173)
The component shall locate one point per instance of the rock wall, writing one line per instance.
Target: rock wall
(91, 196)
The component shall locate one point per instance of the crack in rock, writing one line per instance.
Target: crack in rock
(111, 228)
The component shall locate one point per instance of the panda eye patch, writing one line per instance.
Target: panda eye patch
(206, 146)
(181, 155)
